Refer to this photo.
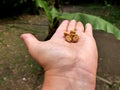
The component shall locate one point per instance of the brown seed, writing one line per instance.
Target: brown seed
(75, 38)
(68, 38)
(66, 33)
(72, 32)
(71, 37)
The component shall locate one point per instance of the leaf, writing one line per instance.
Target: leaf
(54, 13)
(97, 22)
(43, 4)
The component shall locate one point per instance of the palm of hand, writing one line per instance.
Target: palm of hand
(57, 54)
(73, 65)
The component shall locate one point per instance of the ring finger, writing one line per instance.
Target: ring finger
(79, 28)
(71, 25)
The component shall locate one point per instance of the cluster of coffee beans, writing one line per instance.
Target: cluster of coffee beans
(71, 37)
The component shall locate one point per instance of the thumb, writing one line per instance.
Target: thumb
(29, 40)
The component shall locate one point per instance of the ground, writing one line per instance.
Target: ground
(18, 71)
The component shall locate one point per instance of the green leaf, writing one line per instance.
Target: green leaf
(43, 4)
(97, 22)
(54, 13)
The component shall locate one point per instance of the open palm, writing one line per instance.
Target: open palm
(61, 57)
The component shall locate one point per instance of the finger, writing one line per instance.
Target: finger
(79, 28)
(71, 25)
(61, 29)
(34, 46)
(29, 40)
(88, 29)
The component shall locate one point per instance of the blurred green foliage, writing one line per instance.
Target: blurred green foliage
(54, 16)
(112, 2)
(15, 7)
(12, 2)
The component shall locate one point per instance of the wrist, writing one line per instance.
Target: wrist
(78, 80)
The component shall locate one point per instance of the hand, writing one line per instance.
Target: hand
(72, 64)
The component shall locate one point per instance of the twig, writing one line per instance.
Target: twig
(104, 80)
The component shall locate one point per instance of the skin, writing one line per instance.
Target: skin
(68, 66)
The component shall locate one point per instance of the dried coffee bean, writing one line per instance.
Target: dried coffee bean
(71, 37)
(66, 33)
(72, 32)
(75, 38)
(68, 38)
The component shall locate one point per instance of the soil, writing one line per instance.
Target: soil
(109, 60)
(18, 71)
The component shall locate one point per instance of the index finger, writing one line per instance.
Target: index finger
(61, 29)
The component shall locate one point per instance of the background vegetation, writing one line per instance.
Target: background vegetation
(15, 7)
